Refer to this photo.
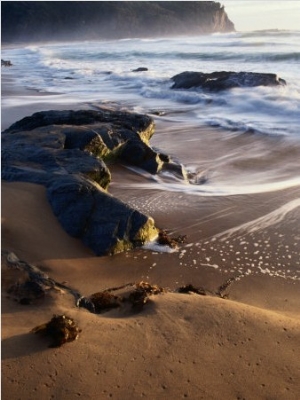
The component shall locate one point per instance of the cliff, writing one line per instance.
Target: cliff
(25, 21)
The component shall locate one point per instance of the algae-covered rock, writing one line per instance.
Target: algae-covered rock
(67, 151)
(104, 223)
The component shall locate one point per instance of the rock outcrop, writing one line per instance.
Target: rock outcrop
(101, 221)
(83, 20)
(223, 80)
(66, 152)
(105, 134)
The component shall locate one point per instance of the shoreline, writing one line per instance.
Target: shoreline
(243, 346)
(13, 112)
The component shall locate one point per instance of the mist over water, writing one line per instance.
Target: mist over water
(255, 144)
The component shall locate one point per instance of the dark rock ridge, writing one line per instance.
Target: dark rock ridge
(67, 152)
(140, 69)
(222, 80)
(105, 134)
(27, 21)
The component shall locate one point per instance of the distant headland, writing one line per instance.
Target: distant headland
(24, 21)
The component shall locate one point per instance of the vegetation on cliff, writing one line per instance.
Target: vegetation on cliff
(77, 20)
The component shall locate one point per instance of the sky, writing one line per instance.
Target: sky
(263, 14)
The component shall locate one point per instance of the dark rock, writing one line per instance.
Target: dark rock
(105, 134)
(27, 292)
(140, 124)
(177, 170)
(6, 63)
(140, 69)
(36, 155)
(159, 113)
(188, 79)
(222, 80)
(138, 153)
(164, 157)
(65, 151)
(104, 301)
(61, 329)
(104, 223)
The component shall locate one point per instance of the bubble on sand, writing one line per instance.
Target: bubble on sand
(265, 250)
(215, 266)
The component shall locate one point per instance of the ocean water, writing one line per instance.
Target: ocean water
(255, 144)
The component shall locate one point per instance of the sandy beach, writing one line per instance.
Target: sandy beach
(244, 346)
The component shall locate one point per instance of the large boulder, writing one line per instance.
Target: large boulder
(104, 223)
(66, 152)
(142, 125)
(106, 134)
(38, 155)
(222, 80)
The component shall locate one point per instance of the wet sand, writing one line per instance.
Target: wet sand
(179, 346)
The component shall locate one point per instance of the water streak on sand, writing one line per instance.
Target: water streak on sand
(274, 217)
(210, 188)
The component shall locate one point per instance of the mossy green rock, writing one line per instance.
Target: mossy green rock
(102, 222)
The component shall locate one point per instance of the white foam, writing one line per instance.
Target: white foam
(210, 188)
(154, 246)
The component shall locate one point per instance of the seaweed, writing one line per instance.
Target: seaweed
(104, 301)
(165, 239)
(100, 302)
(61, 329)
(192, 289)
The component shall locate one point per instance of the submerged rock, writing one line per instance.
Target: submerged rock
(222, 80)
(6, 63)
(140, 69)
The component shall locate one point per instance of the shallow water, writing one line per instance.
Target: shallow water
(256, 145)
(245, 142)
